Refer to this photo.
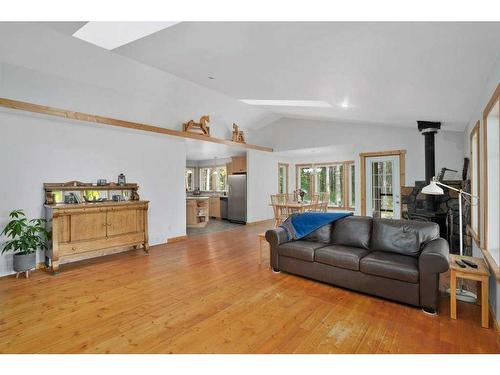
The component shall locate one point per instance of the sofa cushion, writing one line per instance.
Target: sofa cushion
(354, 231)
(402, 236)
(299, 249)
(340, 256)
(391, 266)
(323, 234)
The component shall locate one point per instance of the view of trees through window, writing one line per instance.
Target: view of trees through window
(335, 178)
(282, 178)
(213, 179)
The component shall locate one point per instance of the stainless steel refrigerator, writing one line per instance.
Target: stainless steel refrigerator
(237, 198)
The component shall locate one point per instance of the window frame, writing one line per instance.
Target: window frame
(483, 239)
(475, 159)
(345, 183)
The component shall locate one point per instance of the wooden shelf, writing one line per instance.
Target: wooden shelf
(86, 117)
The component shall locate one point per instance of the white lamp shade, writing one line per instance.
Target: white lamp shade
(432, 189)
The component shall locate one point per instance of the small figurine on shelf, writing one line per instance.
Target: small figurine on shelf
(198, 126)
(238, 135)
(121, 179)
(135, 195)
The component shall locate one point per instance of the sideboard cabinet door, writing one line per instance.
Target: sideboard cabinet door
(123, 221)
(88, 226)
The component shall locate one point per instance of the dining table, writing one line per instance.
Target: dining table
(298, 207)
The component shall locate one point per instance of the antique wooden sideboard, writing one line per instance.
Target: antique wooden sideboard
(86, 230)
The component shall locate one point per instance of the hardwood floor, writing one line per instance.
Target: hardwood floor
(209, 295)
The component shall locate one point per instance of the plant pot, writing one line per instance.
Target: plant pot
(24, 262)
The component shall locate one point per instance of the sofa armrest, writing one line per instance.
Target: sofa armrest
(276, 236)
(434, 257)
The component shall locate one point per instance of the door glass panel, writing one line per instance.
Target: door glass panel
(382, 190)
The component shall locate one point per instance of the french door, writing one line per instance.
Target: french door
(383, 187)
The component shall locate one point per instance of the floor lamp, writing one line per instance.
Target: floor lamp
(434, 189)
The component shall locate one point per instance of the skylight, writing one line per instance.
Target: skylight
(111, 35)
(288, 103)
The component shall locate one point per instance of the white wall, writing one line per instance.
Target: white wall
(38, 149)
(262, 182)
(304, 141)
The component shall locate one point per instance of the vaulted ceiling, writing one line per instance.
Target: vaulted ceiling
(388, 73)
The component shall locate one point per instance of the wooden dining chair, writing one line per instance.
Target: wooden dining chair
(324, 199)
(315, 207)
(280, 208)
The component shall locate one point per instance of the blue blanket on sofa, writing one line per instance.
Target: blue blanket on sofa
(298, 226)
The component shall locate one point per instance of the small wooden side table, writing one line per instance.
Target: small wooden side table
(479, 274)
(262, 239)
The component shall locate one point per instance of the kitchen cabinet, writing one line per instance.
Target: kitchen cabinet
(197, 211)
(239, 164)
(214, 208)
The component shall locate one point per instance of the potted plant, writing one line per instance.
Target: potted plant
(25, 238)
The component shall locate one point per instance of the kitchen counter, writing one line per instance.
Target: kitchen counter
(197, 211)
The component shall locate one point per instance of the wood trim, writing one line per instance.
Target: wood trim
(402, 172)
(494, 99)
(287, 175)
(177, 239)
(260, 222)
(494, 269)
(496, 326)
(80, 116)
(382, 153)
(475, 131)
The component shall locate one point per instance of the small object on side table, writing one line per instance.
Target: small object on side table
(479, 274)
(469, 263)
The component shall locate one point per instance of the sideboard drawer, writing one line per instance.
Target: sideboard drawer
(70, 248)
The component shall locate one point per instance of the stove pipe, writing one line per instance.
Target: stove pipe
(429, 130)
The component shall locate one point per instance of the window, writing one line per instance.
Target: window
(490, 240)
(213, 179)
(282, 178)
(474, 180)
(337, 179)
(189, 179)
(352, 186)
(220, 178)
(206, 181)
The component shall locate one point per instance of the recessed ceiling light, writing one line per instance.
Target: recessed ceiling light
(288, 103)
(111, 35)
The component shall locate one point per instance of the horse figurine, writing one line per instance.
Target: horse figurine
(198, 126)
(238, 135)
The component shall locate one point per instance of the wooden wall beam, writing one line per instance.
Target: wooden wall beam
(52, 111)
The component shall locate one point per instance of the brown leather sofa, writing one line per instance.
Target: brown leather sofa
(395, 259)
